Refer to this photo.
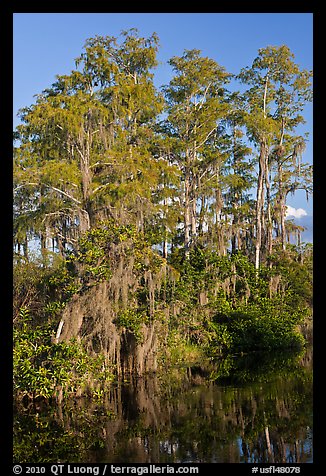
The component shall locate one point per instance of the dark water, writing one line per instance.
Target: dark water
(256, 409)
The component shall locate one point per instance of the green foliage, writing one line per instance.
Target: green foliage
(262, 325)
(241, 313)
(61, 285)
(102, 246)
(222, 306)
(220, 339)
(132, 320)
(26, 290)
(91, 258)
(42, 369)
(296, 268)
(180, 190)
(178, 351)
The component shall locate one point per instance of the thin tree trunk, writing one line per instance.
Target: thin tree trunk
(193, 198)
(202, 216)
(25, 248)
(218, 209)
(165, 249)
(187, 214)
(283, 229)
(282, 207)
(165, 243)
(269, 213)
(260, 188)
(260, 203)
(235, 235)
(43, 245)
(281, 193)
(268, 444)
(193, 219)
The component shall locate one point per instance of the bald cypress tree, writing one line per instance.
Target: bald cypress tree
(195, 108)
(276, 94)
(84, 147)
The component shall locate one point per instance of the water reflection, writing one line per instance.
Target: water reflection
(234, 412)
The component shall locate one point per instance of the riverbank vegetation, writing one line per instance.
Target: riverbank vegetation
(150, 223)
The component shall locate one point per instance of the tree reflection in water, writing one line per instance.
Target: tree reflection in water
(242, 410)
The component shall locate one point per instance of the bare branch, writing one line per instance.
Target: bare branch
(100, 187)
(51, 187)
(104, 163)
(63, 193)
(201, 103)
(203, 142)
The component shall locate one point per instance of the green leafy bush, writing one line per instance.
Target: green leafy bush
(42, 369)
(264, 324)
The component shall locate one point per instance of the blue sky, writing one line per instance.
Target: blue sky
(46, 44)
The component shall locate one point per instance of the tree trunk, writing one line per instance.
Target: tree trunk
(187, 214)
(165, 232)
(202, 215)
(260, 203)
(235, 235)
(193, 219)
(269, 213)
(193, 198)
(282, 207)
(25, 248)
(218, 210)
(260, 188)
(165, 249)
(281, 192)
(43, 245)
(283, 230)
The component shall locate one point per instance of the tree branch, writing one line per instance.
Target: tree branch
(51, 187)
(203, 142)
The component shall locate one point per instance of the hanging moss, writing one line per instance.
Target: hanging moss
(144, 314)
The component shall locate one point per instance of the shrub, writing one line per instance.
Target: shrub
(264, 324)
(40, 368)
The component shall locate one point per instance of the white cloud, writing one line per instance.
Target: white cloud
(295, 212)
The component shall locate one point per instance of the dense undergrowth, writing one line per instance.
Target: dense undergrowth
(211, 306)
